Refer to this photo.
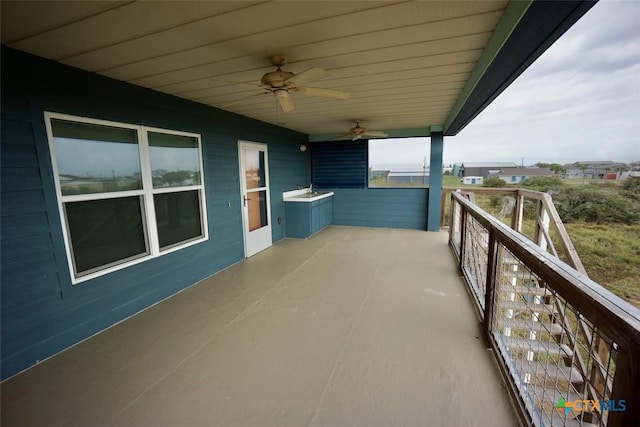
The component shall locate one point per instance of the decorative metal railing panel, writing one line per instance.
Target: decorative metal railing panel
(568, 348)
(548, 346)
(474, 260)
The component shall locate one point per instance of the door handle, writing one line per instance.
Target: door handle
(245, 198)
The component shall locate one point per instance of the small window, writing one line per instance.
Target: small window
(399, 162)
(126, 193)
(175, 160)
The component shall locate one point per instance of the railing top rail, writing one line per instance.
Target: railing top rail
(500, 190)
(565, 242)
(537, 195)
(481, 190)
(614, 316)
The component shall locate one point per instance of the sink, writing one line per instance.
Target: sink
(309, 197)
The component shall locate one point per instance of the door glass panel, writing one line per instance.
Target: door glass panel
(254, 168)
(95, 159)
(257, 206)
(175, 160)
(105, 232)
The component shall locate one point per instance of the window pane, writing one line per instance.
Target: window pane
(175, 160)
(105, 232)
(95, 158)
(399, 162)
(178, 217)
(257, 207)
(254, 168)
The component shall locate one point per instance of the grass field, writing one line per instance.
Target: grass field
(611, 255)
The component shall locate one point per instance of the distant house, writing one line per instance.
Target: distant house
(409, 174)
(409, 177)
(473, 180)
(628, 174)
(519, 175)
(483, 169)
(593, 169)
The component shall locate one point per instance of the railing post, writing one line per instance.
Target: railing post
(463, 232)
(490, 286)
(626, 386)
(443, 199)
(517, 215)
(456, 210)
(541, 224)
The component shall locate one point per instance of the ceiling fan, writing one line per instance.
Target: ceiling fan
(282, 83)
(358, 132)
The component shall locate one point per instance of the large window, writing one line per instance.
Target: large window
(126, 193)
(399, 162)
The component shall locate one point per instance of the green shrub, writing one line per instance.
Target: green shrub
(605, 184)
(495, 200)
(543, 183)
(631, 184)
(592, 205)
(494, 182)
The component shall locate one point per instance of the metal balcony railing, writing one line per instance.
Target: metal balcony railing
(568, 349)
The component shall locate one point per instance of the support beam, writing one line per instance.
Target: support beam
(435, 181)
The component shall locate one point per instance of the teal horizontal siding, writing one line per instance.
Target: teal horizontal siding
(20, 179)
(381, 207)
(21, 202)
(15, 133)
(42, 312)
(339, 164)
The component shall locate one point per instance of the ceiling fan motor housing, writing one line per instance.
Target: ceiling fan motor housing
(276, 79)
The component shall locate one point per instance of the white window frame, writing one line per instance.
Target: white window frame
(147, 192)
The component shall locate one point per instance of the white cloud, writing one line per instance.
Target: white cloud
(579, 100)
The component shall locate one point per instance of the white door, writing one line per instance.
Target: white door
(254, 185)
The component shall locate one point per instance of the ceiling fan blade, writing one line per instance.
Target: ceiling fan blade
(324, 93)
(345, 136)
(309, 75)
(285, 101)
(235, 101)
(356, 137)
(375, 133)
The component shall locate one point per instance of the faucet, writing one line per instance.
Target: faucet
(311, 188)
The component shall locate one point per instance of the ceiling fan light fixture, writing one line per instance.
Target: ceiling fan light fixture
(281, 93)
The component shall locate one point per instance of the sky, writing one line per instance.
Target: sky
(579, 101)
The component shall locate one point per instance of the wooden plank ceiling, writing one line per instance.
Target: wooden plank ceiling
(404, 63)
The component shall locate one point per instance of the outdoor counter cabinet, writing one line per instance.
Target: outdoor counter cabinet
(307, 212)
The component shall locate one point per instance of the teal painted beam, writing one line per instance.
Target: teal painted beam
(392, 133)
(525, 30)
(435, 181)
(509, 20)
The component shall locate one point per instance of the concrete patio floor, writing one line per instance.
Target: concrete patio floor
(353, 327)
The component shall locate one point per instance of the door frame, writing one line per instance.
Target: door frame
(266, 230)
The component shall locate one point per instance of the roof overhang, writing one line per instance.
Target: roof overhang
(412, 68)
